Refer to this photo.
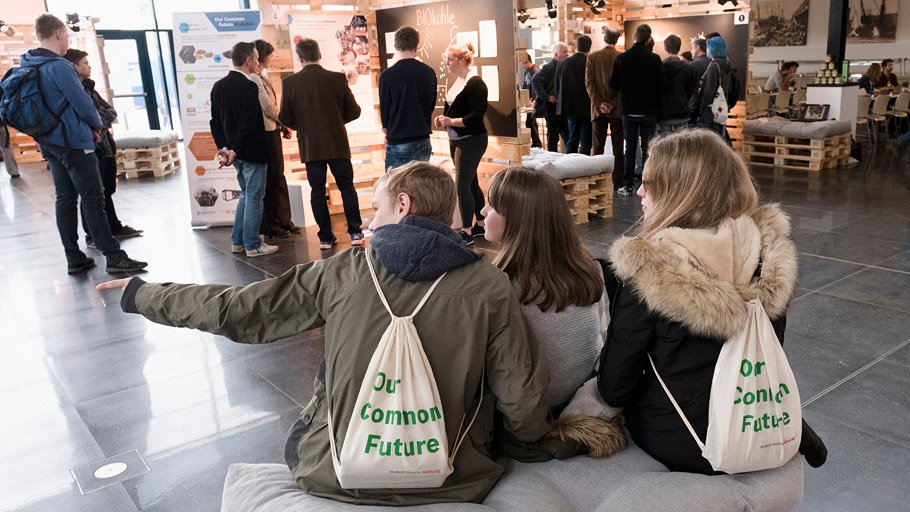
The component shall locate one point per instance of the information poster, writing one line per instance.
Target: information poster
(202, 44)
(344, 43)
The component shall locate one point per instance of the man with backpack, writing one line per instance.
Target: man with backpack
(46, 100)
(417, 281)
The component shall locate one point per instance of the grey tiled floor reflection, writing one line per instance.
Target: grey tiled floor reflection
(80, 381)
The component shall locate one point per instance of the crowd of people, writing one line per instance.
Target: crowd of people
(532, 326)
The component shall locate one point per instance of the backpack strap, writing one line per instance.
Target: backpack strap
(382, 295)
(679, 410)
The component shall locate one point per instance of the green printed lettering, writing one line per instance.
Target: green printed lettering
(380, 381)
(422, 416)
(363, 411)
(420, 446)
(435, 414)
(433, 445)
(786, 418)
(398, 447)
(758, 366)
(745, 368)
(410, 418)
(376, 416)
(747, 420)
(393, 417)
(738, 399)
(371, 443)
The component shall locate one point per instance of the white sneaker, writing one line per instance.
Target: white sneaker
(236, 249)
(262, 250)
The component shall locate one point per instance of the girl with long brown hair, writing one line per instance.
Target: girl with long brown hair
(558, 283)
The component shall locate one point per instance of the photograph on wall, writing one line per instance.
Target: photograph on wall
(780, 22)
(872, 21)
(345, 46)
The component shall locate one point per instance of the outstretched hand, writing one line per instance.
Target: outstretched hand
(116, 284)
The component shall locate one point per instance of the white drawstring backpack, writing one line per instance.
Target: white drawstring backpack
(754, 415)
(396, 437)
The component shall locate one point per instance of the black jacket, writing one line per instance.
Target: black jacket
(237, 118)
(664, 305)
(470, 105)
(573, 99)
(681, 85)
(543, 85)
(639, 78)
(407, 97)
(719, 73)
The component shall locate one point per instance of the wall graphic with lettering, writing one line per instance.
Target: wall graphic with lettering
(488, 25)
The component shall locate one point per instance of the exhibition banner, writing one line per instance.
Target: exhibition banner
(344, 44)
(202, 44)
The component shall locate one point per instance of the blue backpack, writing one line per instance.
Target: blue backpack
(22, 103)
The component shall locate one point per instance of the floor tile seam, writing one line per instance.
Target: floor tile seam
(263, 377)
(890, 269)
(852, 299)
(819, 289)
(838, 259)
(242, 260)
(856, 373)
(864, 430)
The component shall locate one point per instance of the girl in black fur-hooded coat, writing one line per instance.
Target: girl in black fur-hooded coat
(679, 288)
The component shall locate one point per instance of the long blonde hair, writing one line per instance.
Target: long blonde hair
(540, 250)
(695, 180)
(874, 72)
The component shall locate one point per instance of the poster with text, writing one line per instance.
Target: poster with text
(202, 43)
(345, 47)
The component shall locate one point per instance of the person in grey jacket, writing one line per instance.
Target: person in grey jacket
(471, 330)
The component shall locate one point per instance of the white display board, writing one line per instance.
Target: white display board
(202, 44)
(345, 48)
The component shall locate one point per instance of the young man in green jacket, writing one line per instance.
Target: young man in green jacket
(471, 325)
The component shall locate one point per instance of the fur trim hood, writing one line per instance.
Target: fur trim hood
(702, 278)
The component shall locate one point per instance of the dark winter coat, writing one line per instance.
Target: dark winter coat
(639, 78)
(678, 296)
(681, 85)
(573, 99)
(543, 85)
(720, 73)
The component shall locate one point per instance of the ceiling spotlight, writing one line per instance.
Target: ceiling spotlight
(551, 11)
(72, 21)
(724, 2)
(523, 17)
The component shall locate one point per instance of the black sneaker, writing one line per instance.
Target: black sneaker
(125, 264)
(80, 267)
(477, 231)
(468, 239)
(278, 234)
(126, 232)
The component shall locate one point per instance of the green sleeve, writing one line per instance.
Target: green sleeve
(261, 312)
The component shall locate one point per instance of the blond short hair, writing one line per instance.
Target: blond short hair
(431, 189)
(696, 180)
(462, 52)
(47, 25)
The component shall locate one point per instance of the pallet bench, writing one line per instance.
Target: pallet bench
(783, 144)
(586, 181)
(152, 153)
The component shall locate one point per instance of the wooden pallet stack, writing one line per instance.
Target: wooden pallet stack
(796, 153)
(734, 124)
(589, 195)
(157, 161)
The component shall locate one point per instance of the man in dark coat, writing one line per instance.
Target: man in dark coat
(318, 103)
(681, 85)
(543, 85)
(574, 103)
(638, 76)
(700, 62)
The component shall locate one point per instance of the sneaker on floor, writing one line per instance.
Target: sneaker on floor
(125, 264)
(477, 231)
(624, 191)
(356, 238)
(264, 249)
(80, 267)
(468, 239)
(326, 245)
(127, 232)
(237, 249)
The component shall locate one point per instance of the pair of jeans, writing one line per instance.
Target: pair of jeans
(107, 166)
(466, 154)
(77, 179)
(248, 217)
(556, 128)
(599, 129)
(343, 172)
(635, 127)
(397, 155)
(578, 134)
(276, 204)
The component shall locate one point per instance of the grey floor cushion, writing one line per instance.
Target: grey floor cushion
(629, 481)
(145, 139)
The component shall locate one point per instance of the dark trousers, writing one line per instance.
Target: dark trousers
(600, 125)
(76, 177)
(466, 155)
(343, 172)
(531, 122)
(633, 128)
(556, 128)
(276, 214)
(578, 134)
(108, 169)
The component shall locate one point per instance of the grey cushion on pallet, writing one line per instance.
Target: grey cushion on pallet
(574, 165)
(764, 125)
(819, 130)
(629, 481)
(144, 139)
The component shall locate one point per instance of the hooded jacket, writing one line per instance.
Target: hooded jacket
(679, 296)
(471, 324)
(681, 85)
(62, 90)
(719, 73)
